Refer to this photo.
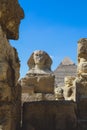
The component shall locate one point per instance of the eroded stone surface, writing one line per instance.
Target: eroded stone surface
(10, 15)
(81, 83)
(39, 63)
(10, 91)
(39, 80)
(70, 88)
(49, 116)
(58, 92)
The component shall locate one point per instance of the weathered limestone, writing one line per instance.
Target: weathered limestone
(39, 80)
(10, 15)
(10, 91)
(81, 83)
(65, 68)
(58, 92)
(49, 115)
(70, 88)
(39, 63)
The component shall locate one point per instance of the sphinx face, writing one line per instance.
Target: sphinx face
(39, 57)
(10, 16)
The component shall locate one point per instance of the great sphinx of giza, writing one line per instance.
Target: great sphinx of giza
(39, 80)
(10, 92)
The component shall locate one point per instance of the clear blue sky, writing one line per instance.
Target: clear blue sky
(54, 26)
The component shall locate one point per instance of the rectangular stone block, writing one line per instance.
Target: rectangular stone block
(38, 84)
(45, 84)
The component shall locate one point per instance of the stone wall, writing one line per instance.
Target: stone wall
(49, 115)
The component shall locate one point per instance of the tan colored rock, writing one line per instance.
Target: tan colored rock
(82, 48)
(81, 81)
(10, 15)
(45, 84)
(9, 61)
(58, 92)
(9, 117)
(39, 83)
(39, 63)
(82, 68)
(69, 88)
(10, 91)
(39, 80)
(5, 92)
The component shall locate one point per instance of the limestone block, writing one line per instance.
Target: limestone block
(29, 82)
(39, 83)
(60, 115)
(27, 97)
(45, 84)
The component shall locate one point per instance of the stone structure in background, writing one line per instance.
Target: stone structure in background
(66, 68)
(81, 83)
(39, 80)
(70, 88)
(10, 91)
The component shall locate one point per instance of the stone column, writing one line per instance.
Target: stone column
(10, 91)
(81, 83)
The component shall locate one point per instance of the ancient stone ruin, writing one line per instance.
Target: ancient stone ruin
(10, 91)
(39, 80)
(47, 108)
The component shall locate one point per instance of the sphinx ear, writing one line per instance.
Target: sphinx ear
(30, 62)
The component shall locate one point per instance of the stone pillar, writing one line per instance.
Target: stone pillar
(81, 83)
(10, 91)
